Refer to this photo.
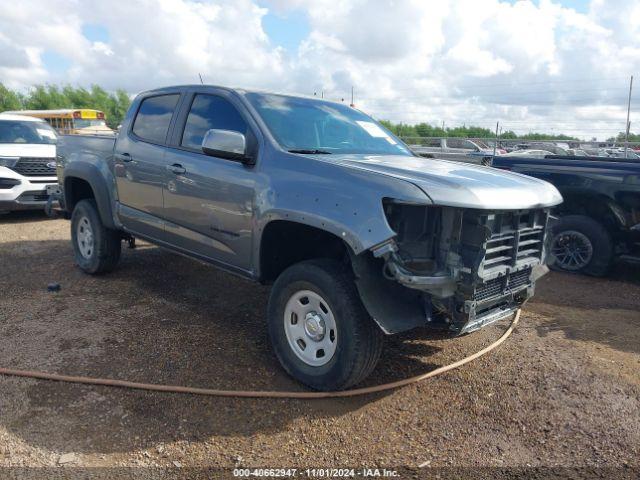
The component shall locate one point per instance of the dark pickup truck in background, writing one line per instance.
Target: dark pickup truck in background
(599, 220)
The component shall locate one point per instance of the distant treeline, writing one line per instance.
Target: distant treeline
(115, 105)
(48, 97)
(426, 130)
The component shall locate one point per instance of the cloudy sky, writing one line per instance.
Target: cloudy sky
(556, 66)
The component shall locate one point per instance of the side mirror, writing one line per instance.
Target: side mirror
(225, 144)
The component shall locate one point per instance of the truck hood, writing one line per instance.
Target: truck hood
(27, 150)
(458, 184)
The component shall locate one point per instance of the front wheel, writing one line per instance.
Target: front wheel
(95, 247)
(319, 329)
(581, 245)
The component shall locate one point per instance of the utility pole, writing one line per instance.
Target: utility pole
(352, 104)
(495, 144)
(201, 82)
(626, 140)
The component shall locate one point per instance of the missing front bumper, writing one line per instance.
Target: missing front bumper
(493, 300)
(487, 319)
(401, 306)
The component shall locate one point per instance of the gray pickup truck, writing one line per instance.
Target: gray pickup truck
(358, 236)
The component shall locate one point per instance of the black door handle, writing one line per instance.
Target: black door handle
(176, 168)
(123, 157)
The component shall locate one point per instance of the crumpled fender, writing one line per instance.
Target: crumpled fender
(340, 200)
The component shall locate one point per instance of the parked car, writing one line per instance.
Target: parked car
(27, 162)
(357, 235)
(599, 220)
(548, 146)
(576, 152)
(529, 153)
(618, 152)
(473, 151)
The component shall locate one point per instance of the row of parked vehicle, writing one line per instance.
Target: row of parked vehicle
(359, 236)
(541, 150)
(478, 151)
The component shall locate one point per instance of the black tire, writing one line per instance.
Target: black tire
(104, 255)
(358, 338)
(598, 238)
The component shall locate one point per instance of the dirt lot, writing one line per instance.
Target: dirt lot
(563, 391)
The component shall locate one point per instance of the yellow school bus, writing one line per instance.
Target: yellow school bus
(70, 121)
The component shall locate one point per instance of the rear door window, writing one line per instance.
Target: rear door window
(154, 116)
(209, 112)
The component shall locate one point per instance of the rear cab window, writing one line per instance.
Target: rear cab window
(154, 116)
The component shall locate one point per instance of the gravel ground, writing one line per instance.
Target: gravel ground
(563, 391)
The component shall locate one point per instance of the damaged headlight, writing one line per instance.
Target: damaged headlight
(418, 230)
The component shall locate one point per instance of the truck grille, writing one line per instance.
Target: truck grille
(501, 285)
(515, 238)
(35, 167)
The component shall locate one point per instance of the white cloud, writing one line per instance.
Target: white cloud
(536, 66)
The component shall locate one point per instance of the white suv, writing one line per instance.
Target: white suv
(27, 162)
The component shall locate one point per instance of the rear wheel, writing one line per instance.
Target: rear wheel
(319, 329)
(96, 248)
(581, 245)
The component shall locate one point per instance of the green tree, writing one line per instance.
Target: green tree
(546, 136)
(78, 97)
(116, 108)
(9, 100)
(48, 97)
(622, 136)
(426, 130)
(45, 97)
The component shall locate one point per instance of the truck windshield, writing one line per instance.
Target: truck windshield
(15, 131)
(315, 126)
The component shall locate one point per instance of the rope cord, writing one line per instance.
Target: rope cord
(259, 394)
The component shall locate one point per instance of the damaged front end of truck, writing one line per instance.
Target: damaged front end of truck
(459, 268)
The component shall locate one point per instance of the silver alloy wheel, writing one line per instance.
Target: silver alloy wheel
(84, 237)
(573, 250)
(310, 328)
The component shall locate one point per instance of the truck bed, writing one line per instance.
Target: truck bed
(98, 145)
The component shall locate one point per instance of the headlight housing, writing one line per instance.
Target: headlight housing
(8, 161)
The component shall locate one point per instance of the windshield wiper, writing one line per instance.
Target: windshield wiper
(310, 151)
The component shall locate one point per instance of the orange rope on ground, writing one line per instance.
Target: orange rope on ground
(260, 394)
